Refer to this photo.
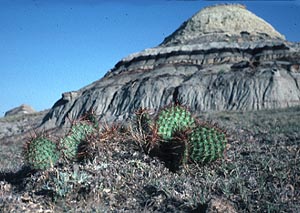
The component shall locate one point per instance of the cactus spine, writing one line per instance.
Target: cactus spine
(143, 121)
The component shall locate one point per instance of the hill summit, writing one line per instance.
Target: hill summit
(223, 58)
(20, 110)
(220, 23)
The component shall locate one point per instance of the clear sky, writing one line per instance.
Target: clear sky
(48, 47)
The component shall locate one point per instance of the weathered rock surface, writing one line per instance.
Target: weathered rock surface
(223, 58)
(20, 110)
(16, 125)
(222, 21)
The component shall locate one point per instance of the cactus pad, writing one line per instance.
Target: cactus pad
(41, 153)
(69, 145)
(207, 144)
(173, 118)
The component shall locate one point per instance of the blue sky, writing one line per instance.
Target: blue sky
(48, 47)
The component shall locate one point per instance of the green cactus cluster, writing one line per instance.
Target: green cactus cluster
(174, 133)
(203, 143)
(173, 118)
(69, 144)
(41, 153)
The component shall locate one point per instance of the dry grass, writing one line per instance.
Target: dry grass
(260, 173)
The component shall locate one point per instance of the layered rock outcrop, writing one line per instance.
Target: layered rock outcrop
(20, 110)
(223, 58)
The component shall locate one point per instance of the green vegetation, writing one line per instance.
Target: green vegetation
(41, 153)
(61, 184)
(178, 138)
(69, 145)
(173, 118)
(207, 144)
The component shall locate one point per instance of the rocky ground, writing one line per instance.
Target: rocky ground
(260, 172)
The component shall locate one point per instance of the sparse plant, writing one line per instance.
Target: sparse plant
(62, 184)
(143, 121)
(94, 141)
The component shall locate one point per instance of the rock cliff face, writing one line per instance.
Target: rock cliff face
(223, 58)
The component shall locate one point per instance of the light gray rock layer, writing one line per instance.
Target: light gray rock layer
(222, 20)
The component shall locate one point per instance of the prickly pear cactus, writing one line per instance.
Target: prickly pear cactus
(69, 144)
(173, 118)
(41, 153)
(207, 144)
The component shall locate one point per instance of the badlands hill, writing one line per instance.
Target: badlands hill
(20, 110)
(223, 58)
